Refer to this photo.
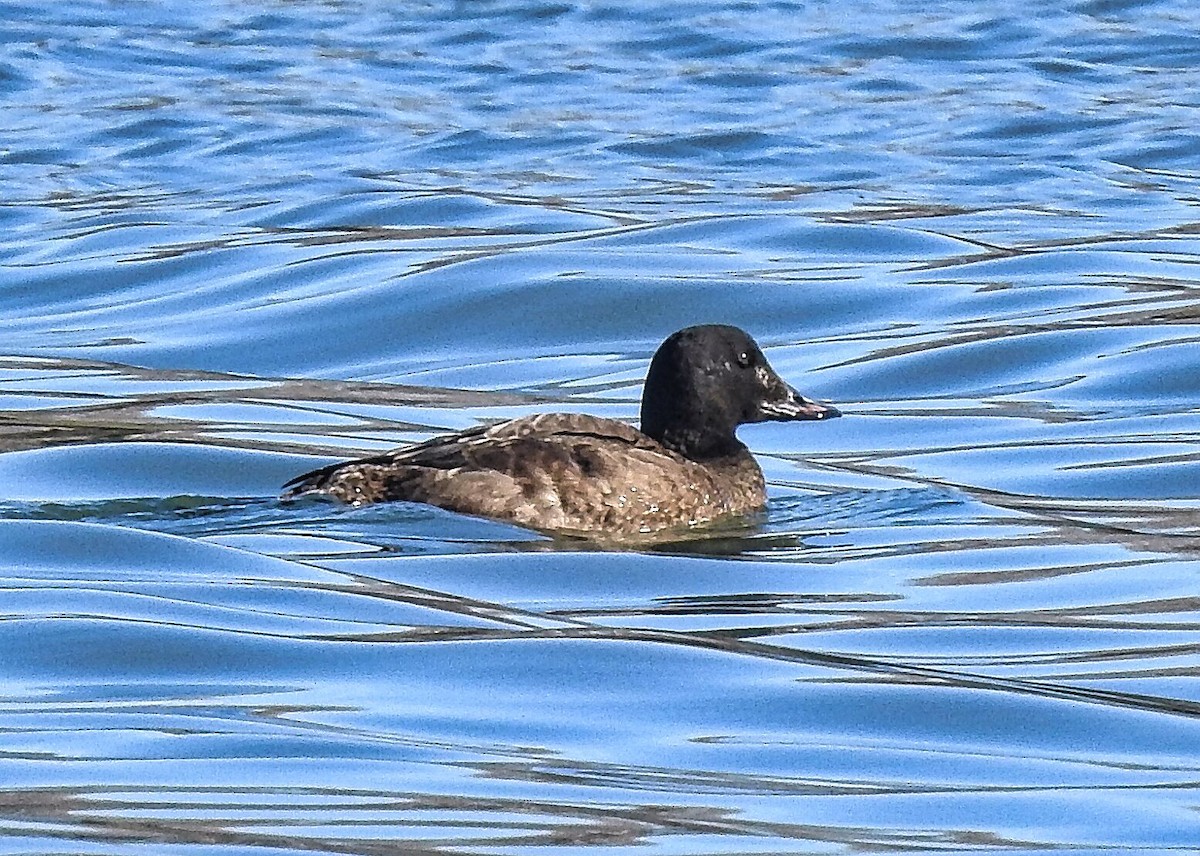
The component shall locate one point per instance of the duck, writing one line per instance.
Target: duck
(595, 477)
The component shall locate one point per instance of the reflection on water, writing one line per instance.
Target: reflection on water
(240, 241)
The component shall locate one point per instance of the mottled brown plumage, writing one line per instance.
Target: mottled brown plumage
(588, 475)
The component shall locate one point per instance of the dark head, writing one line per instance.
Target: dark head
(705, 381)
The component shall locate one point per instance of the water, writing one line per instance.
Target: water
(243, 239)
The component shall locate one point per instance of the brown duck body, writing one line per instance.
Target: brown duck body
(556, 471)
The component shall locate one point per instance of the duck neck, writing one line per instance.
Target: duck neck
(698, 444)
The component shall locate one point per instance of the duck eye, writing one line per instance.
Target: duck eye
(744, 359)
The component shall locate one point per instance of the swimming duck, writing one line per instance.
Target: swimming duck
(591, 476)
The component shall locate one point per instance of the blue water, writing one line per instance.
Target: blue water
(241, 239)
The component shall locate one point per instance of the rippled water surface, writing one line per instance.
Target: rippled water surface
(242, 239)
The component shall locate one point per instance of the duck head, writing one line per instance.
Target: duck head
(705, 381)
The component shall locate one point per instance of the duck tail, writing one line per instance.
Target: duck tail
(315, 481)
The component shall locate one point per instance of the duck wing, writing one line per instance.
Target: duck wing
(513, 450)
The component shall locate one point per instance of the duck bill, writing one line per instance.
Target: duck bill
(791, 406)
